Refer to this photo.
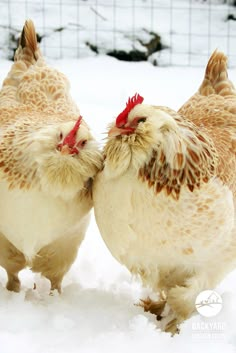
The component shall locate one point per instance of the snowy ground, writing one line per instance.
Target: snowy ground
(189, 29)
(96, 311)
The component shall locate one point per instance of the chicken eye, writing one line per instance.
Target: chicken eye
(83, 143)
(61, 136)
(141, 120)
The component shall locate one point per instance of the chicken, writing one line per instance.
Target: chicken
(165, 199)
(48, 159)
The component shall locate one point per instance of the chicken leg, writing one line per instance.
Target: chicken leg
(54, 260)
(13, 261)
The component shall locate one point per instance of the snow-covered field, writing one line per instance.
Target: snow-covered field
(96, 311)
(189, 29)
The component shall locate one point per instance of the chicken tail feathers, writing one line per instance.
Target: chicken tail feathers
(28, 36)
(216, 77)
(27, 55)
(28, 50)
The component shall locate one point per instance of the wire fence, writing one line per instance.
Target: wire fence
(165, 32)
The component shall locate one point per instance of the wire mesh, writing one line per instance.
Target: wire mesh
(189, 30)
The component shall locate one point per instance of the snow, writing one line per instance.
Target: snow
(189, 29)
(96, 311)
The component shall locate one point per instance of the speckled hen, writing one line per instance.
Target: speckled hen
(165, 199)
(48, 159)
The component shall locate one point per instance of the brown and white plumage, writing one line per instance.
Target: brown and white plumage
(214, 106)
(48, 159)
(165, 199)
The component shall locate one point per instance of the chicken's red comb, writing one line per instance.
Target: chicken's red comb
(132, 102)
(70, 138)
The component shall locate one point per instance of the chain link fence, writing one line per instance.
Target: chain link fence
(165, 32)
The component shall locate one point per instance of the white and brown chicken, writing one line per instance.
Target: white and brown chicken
(48, 159)
(165, 199)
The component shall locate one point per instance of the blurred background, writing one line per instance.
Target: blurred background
(164, 32)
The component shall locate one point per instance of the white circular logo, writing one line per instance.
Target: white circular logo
(208, 303)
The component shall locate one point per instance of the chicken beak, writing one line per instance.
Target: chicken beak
(116, 131)
(65, 150)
